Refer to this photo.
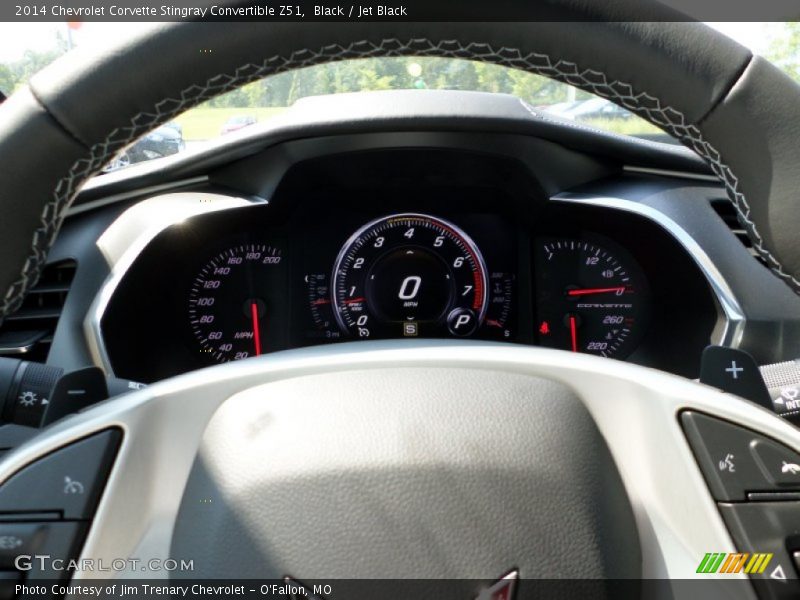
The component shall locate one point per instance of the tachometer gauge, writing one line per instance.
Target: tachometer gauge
(409, 275)
(232, 301)
(591, 297)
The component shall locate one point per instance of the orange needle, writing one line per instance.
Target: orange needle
(587, 291)
(256, 327)
(573, 332)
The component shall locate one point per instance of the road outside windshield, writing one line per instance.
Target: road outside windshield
(25, 48)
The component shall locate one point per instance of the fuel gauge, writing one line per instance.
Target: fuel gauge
(592, 297)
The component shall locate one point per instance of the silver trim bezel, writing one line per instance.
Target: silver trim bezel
(129, 227)
(126, 238)
(733, 313)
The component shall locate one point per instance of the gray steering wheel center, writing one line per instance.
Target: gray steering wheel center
(406, 473)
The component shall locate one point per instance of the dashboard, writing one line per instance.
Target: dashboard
(412, 243)
(444, 215)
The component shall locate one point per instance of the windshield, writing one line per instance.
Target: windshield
(28, 47)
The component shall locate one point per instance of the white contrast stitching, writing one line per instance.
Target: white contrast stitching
(645, 105)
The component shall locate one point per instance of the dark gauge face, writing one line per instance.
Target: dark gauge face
(409, 275)
(591, 297)
(231, 302)
(319, 298)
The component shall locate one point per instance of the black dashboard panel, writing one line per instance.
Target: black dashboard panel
(261, 277)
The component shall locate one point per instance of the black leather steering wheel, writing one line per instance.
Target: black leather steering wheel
(737, 111)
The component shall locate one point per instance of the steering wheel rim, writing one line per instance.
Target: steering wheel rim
(696, 84)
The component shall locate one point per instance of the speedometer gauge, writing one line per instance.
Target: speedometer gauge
(591, 297)
(409, 275)
(232, 302)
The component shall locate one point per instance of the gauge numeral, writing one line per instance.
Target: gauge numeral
(597, 346)
(439, 241)
(409, 233)
(458, 262)
(379, 242)
(359, 263)
(412, 280)
(362, 320)
(467, 290)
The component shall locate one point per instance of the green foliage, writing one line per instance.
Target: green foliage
(372, 74)
(17, 73)
(784, 50)
(8, 80)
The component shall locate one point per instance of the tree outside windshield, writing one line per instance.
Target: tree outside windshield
(24, 53)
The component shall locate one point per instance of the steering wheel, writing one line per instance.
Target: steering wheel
(394, 459)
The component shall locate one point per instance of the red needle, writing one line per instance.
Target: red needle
(256, 327)
(586, 291)
(573, 332)
(354, 300)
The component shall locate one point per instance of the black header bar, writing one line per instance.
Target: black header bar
(396, 10)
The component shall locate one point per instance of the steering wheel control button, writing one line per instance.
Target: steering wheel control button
(57, 539)
(736, 372)
(779, 464)
(55, 542)
(69, 480)
(764, 528)
(730, 458)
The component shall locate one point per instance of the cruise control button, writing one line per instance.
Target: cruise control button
(723, 453)
(779, 464)
(69, 480)
(56, 539)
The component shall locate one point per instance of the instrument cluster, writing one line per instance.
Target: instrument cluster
(413, 275)
(323, 264)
